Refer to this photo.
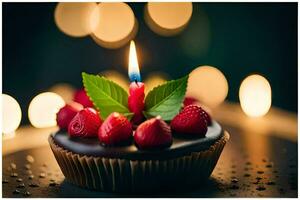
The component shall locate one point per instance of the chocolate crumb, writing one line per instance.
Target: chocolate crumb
(248, 163)
(21, 185)
(29, 158)
(5, 181)
(27, 166)
(52, 184)
(19, 180)
(13, 165)
(13, 174)
(16, 192)
(26, 193)
(269, 165)
(33, 185)
(234, 180)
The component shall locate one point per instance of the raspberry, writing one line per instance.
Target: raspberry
(190, 121)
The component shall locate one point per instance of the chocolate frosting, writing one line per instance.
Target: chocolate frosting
(181, 146)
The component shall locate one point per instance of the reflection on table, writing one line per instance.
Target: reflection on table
(259, 160)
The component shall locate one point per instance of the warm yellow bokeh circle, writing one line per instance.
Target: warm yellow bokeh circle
(76, 19)
(255, 95)
(116, 26)
(168, 18)
(11, 114)
(43, 108)
(208, 85)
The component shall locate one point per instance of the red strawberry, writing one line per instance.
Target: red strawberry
(190, 121)
(192, 101)
(206, 116)
(115, 129)
(81, 97)
(85, 123)
(67, 113)
(189, 101)
(153, 133)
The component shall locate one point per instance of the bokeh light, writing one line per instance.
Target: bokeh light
(43, 108)
(66, 91)
(116, 77)
(11, 114)
(116, 26)
(255, 95)
(168, 18)
(208, 85)
(154, 79)
(76, 19)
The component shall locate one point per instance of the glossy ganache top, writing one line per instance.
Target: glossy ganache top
(181, 146)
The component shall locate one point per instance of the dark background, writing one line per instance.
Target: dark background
(237, 38)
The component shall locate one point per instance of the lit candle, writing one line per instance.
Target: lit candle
(136, 88)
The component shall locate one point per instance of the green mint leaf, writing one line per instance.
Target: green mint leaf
(166, 100)
(106, 95)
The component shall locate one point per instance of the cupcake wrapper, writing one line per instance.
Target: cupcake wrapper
(122, 175)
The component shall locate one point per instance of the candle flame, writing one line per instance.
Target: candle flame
(133, 65)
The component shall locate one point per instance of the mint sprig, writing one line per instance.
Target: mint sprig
(165, 100)
(106, 95)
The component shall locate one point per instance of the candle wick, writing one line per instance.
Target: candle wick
(135, 81)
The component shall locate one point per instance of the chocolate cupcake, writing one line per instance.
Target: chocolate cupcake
(86, 163)
(155, 145)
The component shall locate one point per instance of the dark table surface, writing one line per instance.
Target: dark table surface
(251, 165)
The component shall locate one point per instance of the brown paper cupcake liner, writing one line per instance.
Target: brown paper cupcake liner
(122, 175)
